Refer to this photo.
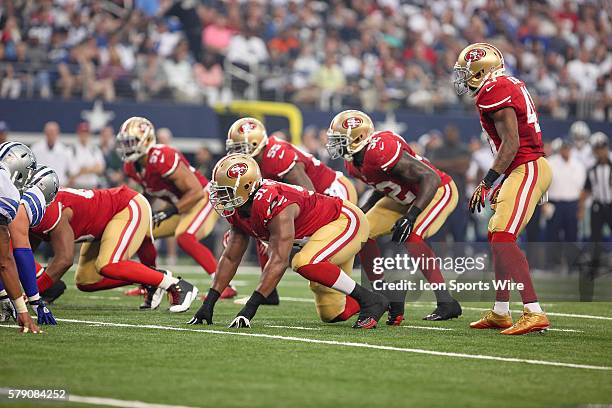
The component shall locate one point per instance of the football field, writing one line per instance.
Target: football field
(106, 352)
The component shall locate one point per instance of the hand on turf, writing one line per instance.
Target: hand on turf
(42, 312)
(204, 314)
(163, 215)
(27, 324)
(477, 202)
(402, 229)
(7, 310)
(240, 322)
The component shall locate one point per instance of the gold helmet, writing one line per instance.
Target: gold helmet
(135, 137)
(348, 133)
(476, 64)
(246, 135)
(234, 178)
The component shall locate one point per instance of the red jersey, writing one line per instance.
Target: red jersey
(509, 92)
(381, 154)
(91, 211)
(316, 210)
(279, 157)
(162, 161)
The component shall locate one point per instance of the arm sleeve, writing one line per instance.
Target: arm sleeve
(9, 197)
(34, 202)
(495, 96)
(50, 219)
(279, 162)
(165, 161)
(270, 204)
(385, 154)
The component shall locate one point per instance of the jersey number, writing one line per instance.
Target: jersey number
(393, 190)
(532, 116)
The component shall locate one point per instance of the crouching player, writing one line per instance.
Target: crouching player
(112, 225)
(17, 164)
(412, 198)
(40, 192)
(331, 231)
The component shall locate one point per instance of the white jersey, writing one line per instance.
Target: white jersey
(9, 196)
(34, 202)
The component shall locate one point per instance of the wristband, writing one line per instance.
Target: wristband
(413, 213)
(212, 296)
(490, 178)
(20, 305)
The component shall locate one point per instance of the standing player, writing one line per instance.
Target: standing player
(164, 173)
(509, 117)
(112, 225)
(412, 198)
(330, 232)
(281, 161)
(40, 192)
(17, 163)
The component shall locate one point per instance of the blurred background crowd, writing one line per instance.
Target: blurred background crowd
(381, 54)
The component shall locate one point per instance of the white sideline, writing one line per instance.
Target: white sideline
(291, 327)
(348, 344)
(109, 402)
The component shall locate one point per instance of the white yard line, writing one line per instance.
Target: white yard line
(292, 327)
(567, 330)
(426, 328)
(109, 402)
(347, 344)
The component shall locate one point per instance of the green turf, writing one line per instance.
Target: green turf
(208, 369)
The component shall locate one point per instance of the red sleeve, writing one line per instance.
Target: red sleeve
(52, 216)
(128, 169)
(164, 160)
(279, 160)
(383, 152)
(270, 203)
(495, 95)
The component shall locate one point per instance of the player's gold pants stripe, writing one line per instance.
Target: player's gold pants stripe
(519, 195)
(433, 213)
(351, 192)
(343, 239)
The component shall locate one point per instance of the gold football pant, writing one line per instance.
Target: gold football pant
(337, 242)
(342, 188)
(518, 196)
(386, 211)
(199, 221)
(121, 239)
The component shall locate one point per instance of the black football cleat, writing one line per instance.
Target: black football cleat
(445, 311)
(371, 312)
(272, 299)
(56, 290)
(182, 294)
(396, 314)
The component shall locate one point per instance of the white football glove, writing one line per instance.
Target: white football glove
(240, 322)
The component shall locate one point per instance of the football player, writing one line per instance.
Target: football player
(411, 200)
(40, 192)
(281, 161)
(164, 173)
(112, 225)
(17, 163)
(508, 116)
(330, 232)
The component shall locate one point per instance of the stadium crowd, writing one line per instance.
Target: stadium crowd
(384, 54)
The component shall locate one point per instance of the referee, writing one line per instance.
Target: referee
(599, 186)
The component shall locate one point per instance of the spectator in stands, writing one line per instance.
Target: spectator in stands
(204, 161)
(217, 35)
(113, 172)
(51, 152)
(164, 136)
(87, 165)
(208, 76)
(179, 75)
(329, 82)
(246, 49)
(151, 75)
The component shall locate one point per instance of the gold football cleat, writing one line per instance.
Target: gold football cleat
(491, 320)
(528, 323)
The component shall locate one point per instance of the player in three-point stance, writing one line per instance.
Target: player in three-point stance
(412, 198)
(329, 231)
(509, 118)
(281, 161)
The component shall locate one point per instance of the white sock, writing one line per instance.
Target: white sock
(3, 293)
(533, 307)
(344, 284)
(501, 308)
(167, 281)
(34, 298)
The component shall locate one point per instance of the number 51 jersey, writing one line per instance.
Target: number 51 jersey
(509, 92)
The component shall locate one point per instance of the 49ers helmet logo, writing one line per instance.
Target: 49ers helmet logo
(352, 122)
(475, 54)
(237, 170)
(247, 127)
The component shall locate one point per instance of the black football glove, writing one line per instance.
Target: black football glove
(477, 202)
(244, 317)
(403, 227)
(205, 312)
(163, 215)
